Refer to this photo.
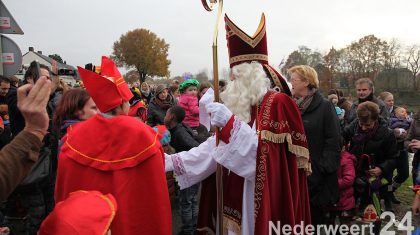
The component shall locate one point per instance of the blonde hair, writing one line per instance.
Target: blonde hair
(306, 73)
(384, 95)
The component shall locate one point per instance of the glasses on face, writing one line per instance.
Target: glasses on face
(295, 80)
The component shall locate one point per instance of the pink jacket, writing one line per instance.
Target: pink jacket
(190, 105)
(346, 175)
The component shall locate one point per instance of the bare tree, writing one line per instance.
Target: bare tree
(413, 63)
(392, 54)
(391, 64)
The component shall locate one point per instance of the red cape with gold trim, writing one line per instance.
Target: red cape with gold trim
(121, 156)
(281, 188)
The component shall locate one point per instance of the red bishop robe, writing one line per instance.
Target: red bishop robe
(282, 166)
(123, 157)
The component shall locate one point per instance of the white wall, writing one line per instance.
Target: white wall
(31, 56)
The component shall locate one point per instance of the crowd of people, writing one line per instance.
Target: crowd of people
(131, 159)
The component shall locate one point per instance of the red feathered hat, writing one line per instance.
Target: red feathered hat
(108, 90)
(83, 212)
(244, 48)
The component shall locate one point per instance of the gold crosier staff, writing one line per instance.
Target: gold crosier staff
(209, 5)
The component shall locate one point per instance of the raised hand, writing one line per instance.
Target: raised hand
(32, 102)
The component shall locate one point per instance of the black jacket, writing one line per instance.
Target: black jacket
(322, 130)
(155, 114)
(182, 138)
(384, 113)
(17, 122)
(382, 145)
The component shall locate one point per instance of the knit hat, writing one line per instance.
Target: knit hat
(187, 83)
(160, 88)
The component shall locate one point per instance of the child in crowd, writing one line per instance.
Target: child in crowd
(333, 98)
(182, 139)
(401, 120)
(344, 209)
(189, 102)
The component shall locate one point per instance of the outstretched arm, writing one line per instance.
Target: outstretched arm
(192, 166)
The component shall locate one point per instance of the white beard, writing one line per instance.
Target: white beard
(247, 89)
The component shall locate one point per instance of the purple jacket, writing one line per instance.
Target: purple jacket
(346, 175)
(190, 105)
(400, 123)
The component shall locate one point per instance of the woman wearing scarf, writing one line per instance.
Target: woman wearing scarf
(75, 106)
(322, 131)
(158, 106)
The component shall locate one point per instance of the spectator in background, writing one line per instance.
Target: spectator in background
(174, 91)
(364, 91)
(75, 106)
(146, 95)
(182, 140)
(333, 98)
(400, 122)
(413, 145)
(138, 110)
(344, 209)
(323, 133)
(204, 86)
(4, 88)
(370, 136)
(189, 102)
(37, 196)
(158, 106)
(136, 91)
(6, 134)
(17, 158)
(14, 81)
(343, 102)
(175, 83)
(388, 100)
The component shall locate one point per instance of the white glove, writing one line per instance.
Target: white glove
(219, 114)
(169, 165)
